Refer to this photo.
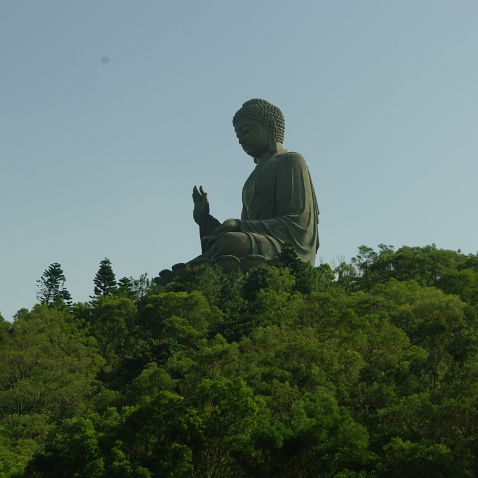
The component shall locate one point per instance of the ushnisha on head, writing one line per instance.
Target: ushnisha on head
(260, 127)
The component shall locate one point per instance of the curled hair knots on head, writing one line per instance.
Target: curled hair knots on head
(262, 111)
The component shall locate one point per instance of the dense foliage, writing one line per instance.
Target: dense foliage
(368, 369)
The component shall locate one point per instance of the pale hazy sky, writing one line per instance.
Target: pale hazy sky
(111, 110)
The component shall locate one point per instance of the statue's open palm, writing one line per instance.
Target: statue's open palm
(201, 205)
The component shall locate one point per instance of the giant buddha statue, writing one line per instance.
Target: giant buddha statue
(278, 198)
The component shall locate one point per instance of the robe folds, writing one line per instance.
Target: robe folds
(280, 206)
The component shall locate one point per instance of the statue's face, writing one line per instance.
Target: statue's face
(252, 137)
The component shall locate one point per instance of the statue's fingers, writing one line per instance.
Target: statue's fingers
(203, 193)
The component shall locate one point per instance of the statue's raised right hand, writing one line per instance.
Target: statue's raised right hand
(201, 205)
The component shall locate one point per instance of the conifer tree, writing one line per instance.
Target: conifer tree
(105, 280)
(51, 287)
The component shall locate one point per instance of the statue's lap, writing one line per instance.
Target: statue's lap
(232, 243)
(242, 244)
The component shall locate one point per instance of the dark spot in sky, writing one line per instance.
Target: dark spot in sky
(105, 59)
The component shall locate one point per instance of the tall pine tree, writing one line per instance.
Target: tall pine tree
(51, 287)
(105, 280)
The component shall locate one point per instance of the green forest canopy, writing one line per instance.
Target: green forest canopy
(368, 369)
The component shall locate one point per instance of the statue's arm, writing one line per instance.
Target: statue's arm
(293, 195)
(244, 214)
(207, 226)
(206, 222)
(294, 218)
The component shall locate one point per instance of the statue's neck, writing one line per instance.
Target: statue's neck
(279, 149)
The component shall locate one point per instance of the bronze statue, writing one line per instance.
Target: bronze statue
(279, 202)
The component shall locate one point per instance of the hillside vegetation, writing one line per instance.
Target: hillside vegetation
(368, 369)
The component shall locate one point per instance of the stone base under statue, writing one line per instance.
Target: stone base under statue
(227, 263)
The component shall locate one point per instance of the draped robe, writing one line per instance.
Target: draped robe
(279, 207)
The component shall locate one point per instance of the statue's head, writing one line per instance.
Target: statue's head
(259, 126)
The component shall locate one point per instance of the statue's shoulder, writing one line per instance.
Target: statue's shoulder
(295, 159)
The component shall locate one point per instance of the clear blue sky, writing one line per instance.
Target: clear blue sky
(112, 110)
